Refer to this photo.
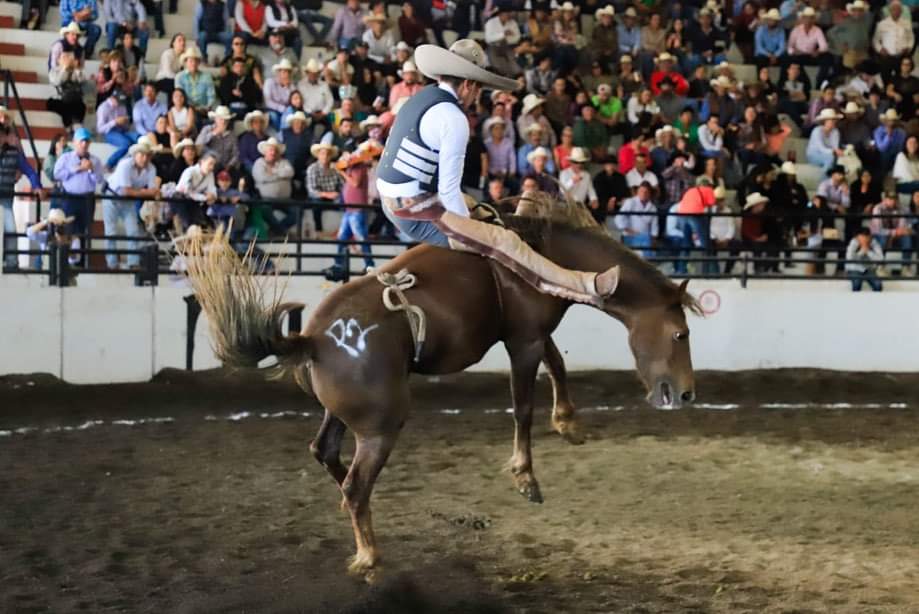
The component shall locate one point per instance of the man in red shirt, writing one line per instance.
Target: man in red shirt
(629, 151)
(665, 63)
(697, 203)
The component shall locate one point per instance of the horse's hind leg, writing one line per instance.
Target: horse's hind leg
(524, 365)
(370, 455)
(326, 447)
(564, 419)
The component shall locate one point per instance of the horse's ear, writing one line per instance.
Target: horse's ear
(683, 285)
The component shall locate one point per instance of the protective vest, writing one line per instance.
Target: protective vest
(406, 157)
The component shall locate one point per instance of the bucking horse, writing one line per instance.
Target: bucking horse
(355, 353)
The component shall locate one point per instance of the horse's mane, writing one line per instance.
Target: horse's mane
(540, 215)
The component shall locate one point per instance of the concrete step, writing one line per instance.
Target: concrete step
(22, 76)
(40, 132)
(7, 48)
(38, 67)
(8, 21)
(33, 104)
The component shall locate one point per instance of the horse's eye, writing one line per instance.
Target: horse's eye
(680, 336)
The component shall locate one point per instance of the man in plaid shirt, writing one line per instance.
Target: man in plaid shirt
(676, 178)
(323, 182)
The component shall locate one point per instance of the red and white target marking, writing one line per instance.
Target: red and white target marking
(710, 301)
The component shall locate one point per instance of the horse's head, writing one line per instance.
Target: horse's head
(659, 338)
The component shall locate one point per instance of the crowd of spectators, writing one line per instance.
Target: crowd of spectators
(628, 107)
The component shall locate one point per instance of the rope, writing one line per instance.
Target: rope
(396, 284)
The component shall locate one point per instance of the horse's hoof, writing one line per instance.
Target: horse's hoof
(362, 565)
(532, 493)
(570, 431)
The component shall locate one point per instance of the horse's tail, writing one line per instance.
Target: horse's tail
(243, 305)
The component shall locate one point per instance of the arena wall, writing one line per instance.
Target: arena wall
(107, 331)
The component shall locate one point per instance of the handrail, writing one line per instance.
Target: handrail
(10, 82)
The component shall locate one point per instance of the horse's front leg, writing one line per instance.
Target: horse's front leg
(564, 419)
(524, 365)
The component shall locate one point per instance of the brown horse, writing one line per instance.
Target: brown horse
(356, 356)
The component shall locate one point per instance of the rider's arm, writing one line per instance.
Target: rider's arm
(452, 137)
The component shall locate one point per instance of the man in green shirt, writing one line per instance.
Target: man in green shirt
(590, 133)
(688, 126)
(609, 107)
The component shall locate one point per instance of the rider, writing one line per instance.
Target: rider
(422, 165)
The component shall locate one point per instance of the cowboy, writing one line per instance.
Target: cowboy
(893, 38)
(273, 176)
(541, 169)
(136, 177)
(277, 91)
(198, 86)
(665, 70)
(218, 139)
(83, 13)
(807, 45)
(297, 140)
(889, 139)
(323, 183)
(278, 52)
(769, 40)
(532, 115)
(419, 175)
(318, 101)
(604, 40)
(408, 87)
(256, 125)
(69, 41)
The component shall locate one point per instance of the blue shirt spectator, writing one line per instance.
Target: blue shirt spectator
(146, 110)
(83, 13)
(769, 41)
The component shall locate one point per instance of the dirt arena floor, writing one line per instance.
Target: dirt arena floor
(783, 492)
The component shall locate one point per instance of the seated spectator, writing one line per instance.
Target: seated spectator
(531, 114)
(133, 58)
(903, 88)
(563, 150)
(534, 138)
(889, 139)
(273, 176)
(720, 102)
(631, 150)
(502, 36)
(170, 65)
(638, 220)
(411, 29)
(69, 42)
(256, 124)
(604, 40)
(218, 139)
(278, 51)
(823, 145)
(309, 13)
(576, 181)
(664, 146)
(642, 112)
(212, 25)
(197, 85)
(706, 41)
(501, 159)
(136, 177)
(379, 40)
(147, 110)
(653, 44)
(83, 13)
(317, 97)
(564, 39)
(113, 78)
(238, 90)
(769, 41)
(339, 71)
(629, 34)
(687, 126)
(590, 133)
(669, 103)
(629, 80)
(250, 23)
(294, 105)
(52, 230)
(826, 101)
(850, 38)
(277, 91)
(114, 125)
(239, 49)
(181, 117)
(863, 256)
(349, 25)
(343, 137)
(666, 64)
(609, 107)
(68, 78)
(537, 163)
(323, 183)
(611, 188)
(893, 38)
(640, 174)
(297, 142)
(227, 209)
(185, 154)
(807, 45)
(677, 178)
(539, 78)
(125, 16)
(906, 167)
(197, 186)
(408, 87)
(711, 138)
(162, 141)
(893, 233)
(790, 198)
(557, 105)
(281, 19)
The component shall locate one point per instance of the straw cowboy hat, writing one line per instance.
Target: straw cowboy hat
(665, 57)
(372, 120)
(534, 127)
(852, 108)
(252, 116)
(272, 142)
(191, 53)
(630, 12)
(606, 10)
(720, 193)
(221, 112)
(569, 7)
(807, 13)
(177, 150)
(705, 12)
(403, 46)
(721, 81)
(789, 168)
(298, 116)
(465, 60)
(625, 58)
(71, 28)
(58, 217)
(373, 17)
(578, 154)
(754, 199)
(140, 148)
(409, 66)
(536, 153)
(858, 5)
(150, 144)
(314, 149)
(491, 122)
(773, 15)
(826, 115)
(284, 64)
(530, 102)
(890, 115)
(313, 66)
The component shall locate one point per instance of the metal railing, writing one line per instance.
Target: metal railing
(9, 85)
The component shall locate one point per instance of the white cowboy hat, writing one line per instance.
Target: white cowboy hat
(720, 193)
(606, 10)
(605, 87)
(625, 59)
(297, 116)
(191, 53)
(530, 102)
(221, 112)
(177, 150)
(773, 15)
(409, 66)
(723, 65)
(754, 199)
(665, 57)
(71, 28)
(630, 12)
(150, 144)
(139, 147)
(313, 66)
(372, 120)
(493, 121)
(858, 5)
(465, 59)
(567, 7)
(713, 6)
(826, 115)
(852, 108)
(661, 131)
(252, 116)
(789, 168)
(721, 81)
(578, 154)
(534, 127)
(705, 11)
(807, 13)
(314, 149)
(374, 17)
(403, 46)
(890, 115)
(271, 142)
(58, 217)
(284, 64)
(539, 151)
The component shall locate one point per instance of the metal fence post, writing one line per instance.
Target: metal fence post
(743, 270)
(149, 266)
(192, 311)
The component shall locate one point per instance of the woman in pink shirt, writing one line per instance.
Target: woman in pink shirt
(807, 46)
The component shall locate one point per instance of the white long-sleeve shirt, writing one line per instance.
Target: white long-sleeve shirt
(316, 96)
(580, 190)
(444, 128)
(895, 37)
(905, 170)
(637, 224)
(496, 32)
(379, 49)
(195, 185)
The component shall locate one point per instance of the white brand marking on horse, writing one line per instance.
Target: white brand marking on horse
(350, 336)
